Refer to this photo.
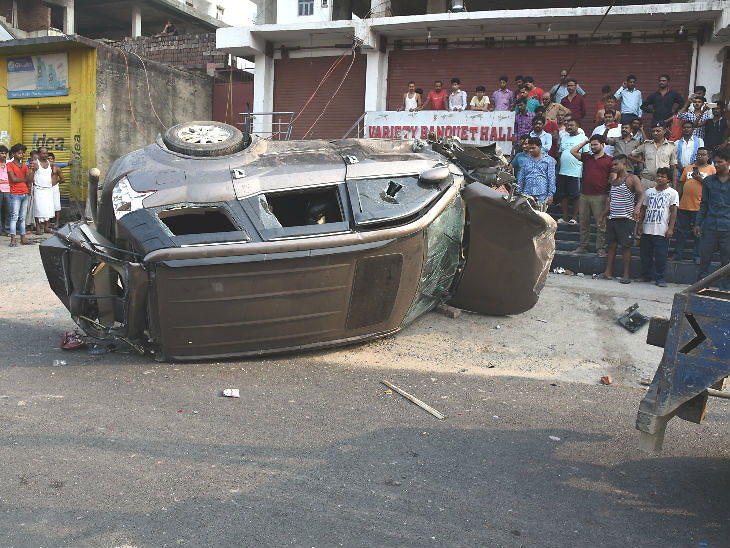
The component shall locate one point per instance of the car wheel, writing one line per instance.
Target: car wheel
(204, 139)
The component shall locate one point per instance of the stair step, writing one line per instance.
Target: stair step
(684, 272)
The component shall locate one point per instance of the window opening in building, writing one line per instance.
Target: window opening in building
(306, 7)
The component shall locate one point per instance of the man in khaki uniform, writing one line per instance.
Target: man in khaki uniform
(654, 154)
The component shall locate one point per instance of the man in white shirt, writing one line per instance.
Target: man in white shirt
(457, 97)
(656, 227)
(687, 146)
(630, 98)
(609, 129)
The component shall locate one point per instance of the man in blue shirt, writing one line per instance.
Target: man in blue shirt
(713, 218)
(537, 176)
(630, 98)
(571, 170)
(519, 158)
(545, 138)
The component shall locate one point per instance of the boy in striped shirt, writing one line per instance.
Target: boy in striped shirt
(622, 211)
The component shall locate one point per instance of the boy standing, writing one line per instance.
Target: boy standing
(620, 216)
(656, 227)
(480, 101)
(519, 158)
(457, 97)
(503, 98)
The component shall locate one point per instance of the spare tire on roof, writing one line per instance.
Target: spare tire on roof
(205, 138)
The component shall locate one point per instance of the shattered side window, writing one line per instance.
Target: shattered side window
(268, 219)
(443, 255)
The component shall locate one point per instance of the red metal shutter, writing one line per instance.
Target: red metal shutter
(296, 79)
(595, 67)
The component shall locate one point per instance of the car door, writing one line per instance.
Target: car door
(508, 247)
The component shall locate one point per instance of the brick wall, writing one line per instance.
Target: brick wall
(32, 14)
(189, 50)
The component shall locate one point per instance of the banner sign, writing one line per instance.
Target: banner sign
(472, 127)
(38, 76)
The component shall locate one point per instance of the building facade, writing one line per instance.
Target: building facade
(344, 58)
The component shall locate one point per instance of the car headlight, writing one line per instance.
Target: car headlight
(126, 199)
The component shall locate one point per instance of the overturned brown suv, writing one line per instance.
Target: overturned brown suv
(212, 243)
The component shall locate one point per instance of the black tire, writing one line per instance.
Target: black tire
(204, 138)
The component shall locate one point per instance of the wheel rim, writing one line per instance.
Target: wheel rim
(203, 135)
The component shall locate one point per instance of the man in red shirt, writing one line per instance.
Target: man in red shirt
(594, 190)
(573, 101)
(532, 90)
(20, 177)
(437, 98)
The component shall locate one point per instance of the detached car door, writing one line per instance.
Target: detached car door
(509, 247)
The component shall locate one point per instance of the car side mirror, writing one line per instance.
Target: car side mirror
(435, 176)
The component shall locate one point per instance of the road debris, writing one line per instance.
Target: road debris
(631, 319)
(645, 382)
(449, 311)
(606, 380)
(59, 363)
(554, 438)
(393, 483)
(415, 400)
(72, 340)
(389, 391)
(231, 393)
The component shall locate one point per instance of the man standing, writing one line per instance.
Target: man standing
(663, 103)
(637, 130)
(537, 175)
(457, 97)
(620, 215)
(570, 171)
(551, 109)
(630, 98)
(625, 145)
(656, 153)
(656, 226)
(4, 192)
(690, 193)
(479, 101)
(43, 182)
(437, 97)
(57, 187)
(716, 128)
(609, 129)
(533, 91)
(412, 99)
(687, 146)
(537, 131)
(519, 158)
(594, 192)
(574, 101)
(560, 90)
(503, 98)
(523, 119)
(20, 177)
(713, 218)
(698, 116)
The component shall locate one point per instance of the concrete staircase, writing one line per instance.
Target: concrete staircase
(567, 240)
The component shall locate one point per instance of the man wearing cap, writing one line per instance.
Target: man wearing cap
(656, 153)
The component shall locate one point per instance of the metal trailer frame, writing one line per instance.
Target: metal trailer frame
(696, 360)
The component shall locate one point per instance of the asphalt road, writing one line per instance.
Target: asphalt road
(118, 451)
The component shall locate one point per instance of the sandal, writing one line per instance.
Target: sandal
(602, 276)
(13, 244)
(27, 242)
(624, 280)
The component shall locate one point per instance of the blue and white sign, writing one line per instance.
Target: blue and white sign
(38, 76)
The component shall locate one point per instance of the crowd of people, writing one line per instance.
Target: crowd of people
(671, 183)
(30, 198)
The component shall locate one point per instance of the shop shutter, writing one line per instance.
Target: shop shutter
(296, 79)
(595, 66)
(50, 127)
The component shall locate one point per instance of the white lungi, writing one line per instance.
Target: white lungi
(43, 209)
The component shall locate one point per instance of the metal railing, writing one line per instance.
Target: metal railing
(358, 127)
(281, 124)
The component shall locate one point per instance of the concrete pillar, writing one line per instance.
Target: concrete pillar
(263, 93)
(376, 80)
(380, 8)
(136, 21)
(710, 58)
(435, 6)
(69, 26)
